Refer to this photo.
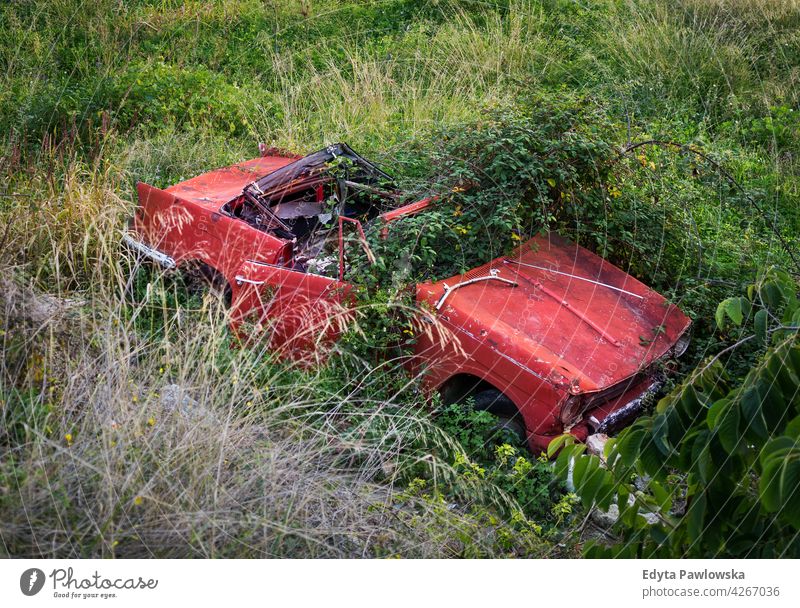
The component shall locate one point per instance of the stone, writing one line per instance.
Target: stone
(606, 519)
(595, 444)
(175, 398)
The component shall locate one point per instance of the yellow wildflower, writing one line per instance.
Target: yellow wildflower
(68, 439)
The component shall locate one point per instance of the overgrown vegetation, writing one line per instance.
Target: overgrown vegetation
(720, 456)
(663, 135)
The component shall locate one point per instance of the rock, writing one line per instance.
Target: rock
(641, 482)
(21, 304)
(606, 519)
(595, 444)
(650, 518)
(175, 398)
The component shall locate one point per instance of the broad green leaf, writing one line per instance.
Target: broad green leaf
(658, 534)
(790, 489)
(728, 428)
(753, 417)
(658, 434)
(718, 408)
(731, 307)
(628, 446)
(582, 467)
(605, 493)
(769, 487)
(760, 324)
(592, 486)
(651, 458)
(662, 495)
(556, 444)
(793, 428)
(695, 516)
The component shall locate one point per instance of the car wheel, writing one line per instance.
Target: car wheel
(509, 420)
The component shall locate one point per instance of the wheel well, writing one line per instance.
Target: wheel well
(459, 387)
(462, 386)
(199, 271)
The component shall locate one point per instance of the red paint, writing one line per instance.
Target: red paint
(577, 341)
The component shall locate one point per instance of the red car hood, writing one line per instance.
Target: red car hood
(569, 317)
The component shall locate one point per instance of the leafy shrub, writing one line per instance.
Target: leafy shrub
(499, 458)
(500, 180)
(721, 457)
(149, 92)
(143, 93)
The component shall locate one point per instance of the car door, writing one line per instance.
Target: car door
(299, 314)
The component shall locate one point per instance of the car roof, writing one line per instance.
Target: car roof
(217, 187)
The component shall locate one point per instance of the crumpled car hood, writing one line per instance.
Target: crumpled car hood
(561, 312)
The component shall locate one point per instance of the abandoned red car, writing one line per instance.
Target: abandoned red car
(551, 337)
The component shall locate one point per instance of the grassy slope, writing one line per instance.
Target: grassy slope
(94, 96)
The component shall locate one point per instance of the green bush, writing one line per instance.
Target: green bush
(499, 458)
(720, 455)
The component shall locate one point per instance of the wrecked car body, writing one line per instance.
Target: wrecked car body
(550, 336)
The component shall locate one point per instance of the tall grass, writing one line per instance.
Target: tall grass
(371, 92)
(135, 429)
(712, 58)
(142, 429)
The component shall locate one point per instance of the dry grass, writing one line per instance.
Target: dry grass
(126, 442)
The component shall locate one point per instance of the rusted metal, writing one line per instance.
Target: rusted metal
(581, 342)
(577, 313)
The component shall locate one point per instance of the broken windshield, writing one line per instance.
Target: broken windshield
(357, 172)
(306, 201)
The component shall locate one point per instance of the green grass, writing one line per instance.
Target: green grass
(96, 96)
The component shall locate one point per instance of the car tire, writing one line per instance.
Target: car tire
(509, 418)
